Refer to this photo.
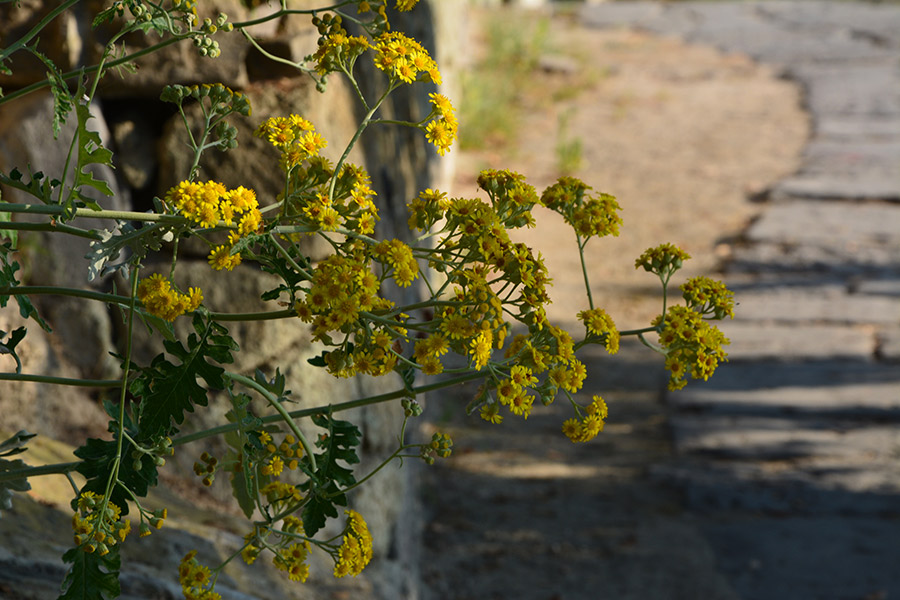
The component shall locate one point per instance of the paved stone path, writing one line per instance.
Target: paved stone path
(789, 458)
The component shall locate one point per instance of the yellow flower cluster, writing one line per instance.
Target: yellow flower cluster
(427, 353)
(289, 555)
(663, 260)
(512, 393)
(590, 216)
(97, 529)
(600, 324)
(355, 551)
(337, 50)
(196, 579)
(287, 454)
(586, 428)
(440, 445)
(207, 204)
(162, 300)
(342, 287)
(404, 59)
(399, 259)
(292, 560)
(692, 345)
(708, 297)
(294, 136)
(442, 129)
(475, 320)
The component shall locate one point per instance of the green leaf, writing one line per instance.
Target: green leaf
(37, 185)
(8, 279)
(137, 242)
(91, 576)
(13, 485)
(90, 152)
(98, 457)
(242, 443)
(12, 446)
(62, 98)
(9, 346)
(170, 390)
(324, 487)
(16, 444)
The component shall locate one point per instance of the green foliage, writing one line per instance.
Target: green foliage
(37, 185)
(99, 458)
(8, 280)
(11, 447)
(9, 346)
(62, 99)
(91, 576)
(168, 390)
(90, 152)
(139, 242)
(325, 493)
(242, 444)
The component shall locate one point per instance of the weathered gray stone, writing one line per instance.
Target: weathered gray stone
(792, 261)
(827, 557)
(857, 89)
(883, 287)
(830, 304)
(858, 127)
(828, 224)
(838, 387)
(889, 344)
(798, 341)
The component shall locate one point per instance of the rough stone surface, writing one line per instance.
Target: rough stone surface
(787, 456)
(764, 341)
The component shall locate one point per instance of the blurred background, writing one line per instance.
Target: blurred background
(761, 137)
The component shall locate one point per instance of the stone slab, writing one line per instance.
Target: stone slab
(850, 89)
(860, 185)
(857, 127)
(879, 24)
(827, 558)
(884, 286)
(840, 388)
(889, 345)
(792, 261)
(835, 224)
(822, 304)
(717, 488)
(845, 443)
(761, 341)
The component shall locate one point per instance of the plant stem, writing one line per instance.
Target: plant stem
(124, 215)
(306, 412)
(587, 283)
(56, 228)
(26, 472)
(88, 70)
(21, 42)
(98, 383)
(276, 404)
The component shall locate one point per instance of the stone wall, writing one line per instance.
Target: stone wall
(147, 139)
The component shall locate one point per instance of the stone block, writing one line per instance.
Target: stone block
(822, 304)
(828, 387)
(762, 341)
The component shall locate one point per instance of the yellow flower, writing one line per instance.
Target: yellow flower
(221, 258)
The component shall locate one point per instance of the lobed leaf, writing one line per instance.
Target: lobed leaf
(91, 576)
(98, 457)
(169, 390)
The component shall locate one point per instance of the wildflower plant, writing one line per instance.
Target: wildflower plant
(485, 302)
